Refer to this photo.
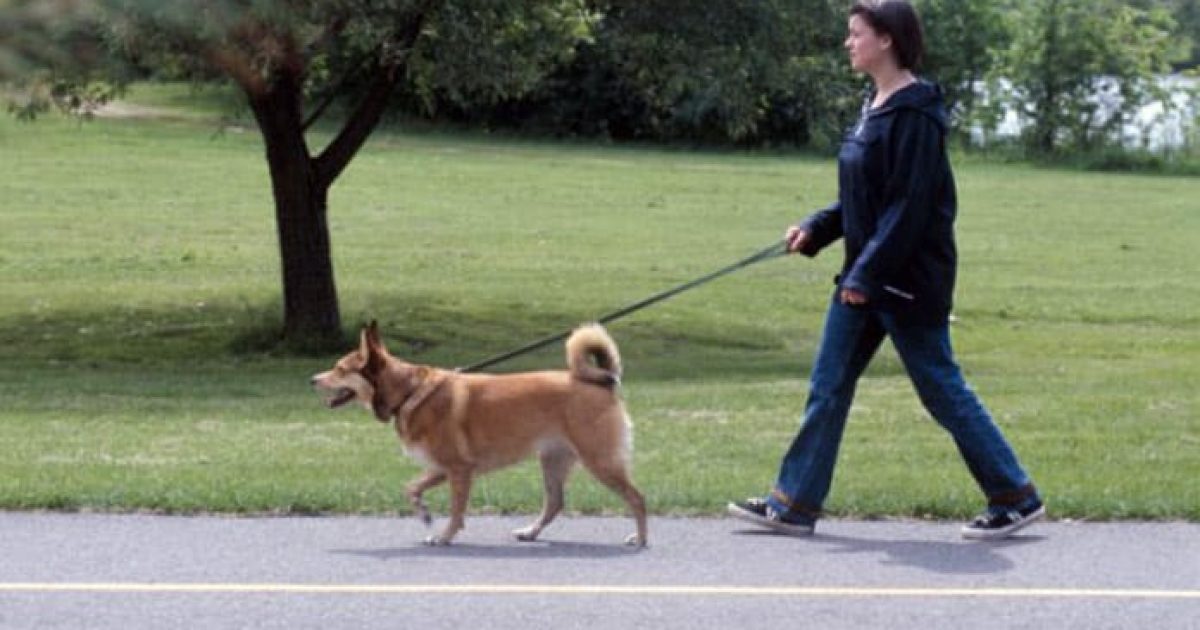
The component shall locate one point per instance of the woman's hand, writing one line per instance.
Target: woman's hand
(853, 298)
(796, 239)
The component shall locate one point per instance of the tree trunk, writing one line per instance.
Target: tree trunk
(310, 301)
(1049, 117)
(300, 183)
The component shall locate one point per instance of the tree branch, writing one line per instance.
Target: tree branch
(333, 160)
(337, 89)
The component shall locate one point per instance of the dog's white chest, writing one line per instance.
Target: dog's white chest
(419, 455)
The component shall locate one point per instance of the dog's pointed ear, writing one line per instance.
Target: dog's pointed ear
(364, 340)
(371, 346)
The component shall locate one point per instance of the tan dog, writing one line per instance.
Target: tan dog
(464, 425)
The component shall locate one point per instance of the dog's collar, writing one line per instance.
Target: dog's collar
(422, 393)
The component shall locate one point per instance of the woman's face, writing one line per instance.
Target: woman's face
(868, 49)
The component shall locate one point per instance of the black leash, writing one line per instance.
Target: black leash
(777, 249)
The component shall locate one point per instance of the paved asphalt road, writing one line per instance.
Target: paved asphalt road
(137, 571)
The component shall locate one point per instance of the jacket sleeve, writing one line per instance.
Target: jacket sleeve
(915, 154)
(823, 227)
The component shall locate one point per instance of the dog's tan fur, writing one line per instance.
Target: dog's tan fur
(460, 426)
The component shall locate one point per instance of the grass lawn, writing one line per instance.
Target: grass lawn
(138, 264)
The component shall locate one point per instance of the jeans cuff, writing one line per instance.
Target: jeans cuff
(784, 504)
(1020, 498)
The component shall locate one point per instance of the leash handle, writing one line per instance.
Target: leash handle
(775, 250)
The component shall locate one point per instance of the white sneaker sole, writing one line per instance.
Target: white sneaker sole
(779, 526)
(971, 533)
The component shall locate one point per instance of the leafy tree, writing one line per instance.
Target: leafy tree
(50, 53)
(964, 40)
(1071, 60)
(715, 69)
(1186, 14)
(291, 59)
(745, 72)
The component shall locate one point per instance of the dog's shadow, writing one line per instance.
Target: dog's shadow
(949, 558)
(514, 551)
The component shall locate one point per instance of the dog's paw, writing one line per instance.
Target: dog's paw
(437, 541)
(526, 534)
(634, 540)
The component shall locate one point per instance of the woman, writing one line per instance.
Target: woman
(895, 213)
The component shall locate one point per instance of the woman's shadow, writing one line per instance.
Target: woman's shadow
(949, 558)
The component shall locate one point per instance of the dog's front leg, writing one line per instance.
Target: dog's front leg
(416, 489)
(460, 495)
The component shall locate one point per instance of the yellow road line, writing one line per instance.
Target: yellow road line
(627, 590)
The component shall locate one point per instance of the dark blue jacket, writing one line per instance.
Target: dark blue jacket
(896, 206)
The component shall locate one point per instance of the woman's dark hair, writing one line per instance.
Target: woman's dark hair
(896, 19)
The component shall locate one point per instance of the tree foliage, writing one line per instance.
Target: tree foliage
(54, 53)
(964, 40)
(752, 72)
(1078, 70)
(762, 72)
(1186, 42)
(724, 70)
(1187, 15)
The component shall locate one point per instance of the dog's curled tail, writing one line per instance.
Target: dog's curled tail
(592, 356)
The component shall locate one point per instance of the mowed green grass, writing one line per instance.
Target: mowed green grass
(138, 266)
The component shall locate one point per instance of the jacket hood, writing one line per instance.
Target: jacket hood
(923, 96)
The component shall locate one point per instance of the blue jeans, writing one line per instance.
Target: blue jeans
(852, 336)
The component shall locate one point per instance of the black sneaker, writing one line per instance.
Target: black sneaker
(992, 525)
(757, 511)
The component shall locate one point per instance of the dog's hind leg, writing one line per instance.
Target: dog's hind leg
(416, 489)
(460, 495)
(556, 467)
(615, 475)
